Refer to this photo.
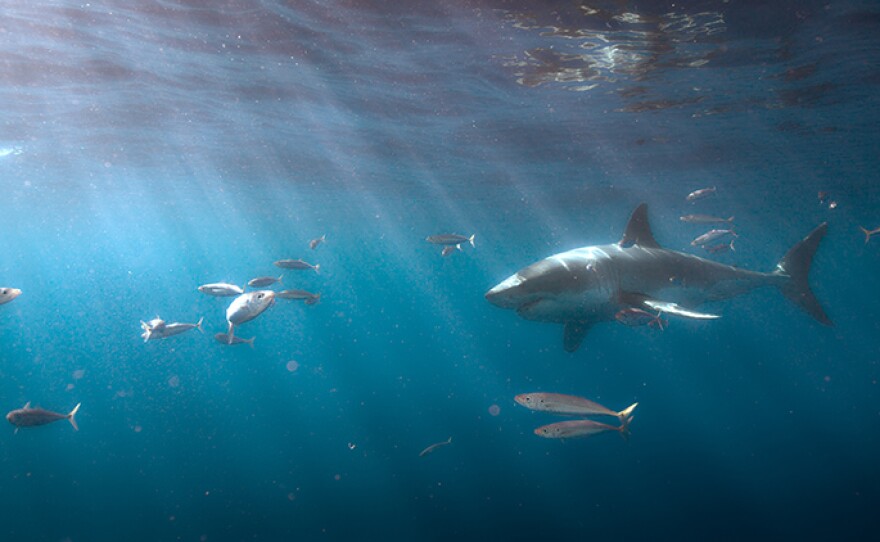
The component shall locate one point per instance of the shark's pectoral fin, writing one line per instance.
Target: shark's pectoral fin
(574, 334)
(677, 310)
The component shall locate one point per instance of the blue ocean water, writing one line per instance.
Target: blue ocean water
(151, 147)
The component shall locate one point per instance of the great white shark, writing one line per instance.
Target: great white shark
(588, 285)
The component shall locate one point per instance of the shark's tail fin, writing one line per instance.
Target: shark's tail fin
(867, 234)
(796, 265)
(72, 416)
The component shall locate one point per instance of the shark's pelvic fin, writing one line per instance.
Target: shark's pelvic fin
(638, 231)
(676, 309)
(574, 334)
(796, 265)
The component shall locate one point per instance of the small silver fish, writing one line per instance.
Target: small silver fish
(450, 239)
(868, 234)
(223, 338)
(8, 294)
(308, 297)
(434, 446)
(559, 403)
(31, 417)
(221, 289)
(313, 244)
(705, 219)
(163, 330)
(449, 249)
(710, 236)
(262, 282)
(721, 247)
(297, 264)
(637, 317)
(580, 428)
(246, 307)
(700, 194)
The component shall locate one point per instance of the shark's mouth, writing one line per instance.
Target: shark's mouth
(527, 307)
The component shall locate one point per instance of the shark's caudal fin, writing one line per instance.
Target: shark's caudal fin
(574, 334)
(72, 416)
(638, 231)
(796, 264)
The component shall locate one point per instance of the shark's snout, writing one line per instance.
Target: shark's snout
(505, 294)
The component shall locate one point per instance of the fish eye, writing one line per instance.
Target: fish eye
(3, 291)
(260, 296)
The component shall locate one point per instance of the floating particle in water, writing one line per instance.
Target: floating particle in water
(292, 365)
(352, 445)
(78, 374)
(494, 410)
(174, 381)
(138, 428)
(70, 387)
(337, 477)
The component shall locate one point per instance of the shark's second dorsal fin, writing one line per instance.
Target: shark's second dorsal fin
(638, 231)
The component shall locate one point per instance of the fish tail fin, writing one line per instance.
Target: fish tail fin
(199, 324)
(732, 248)
(281, 276)
(317, 268)
(624, 427)
(796, 266)
(867, 234)
(251, 341)
(449, 440)
(730, 218)
(72, 416)
(230, 335)
(471, 240)
(625, 415)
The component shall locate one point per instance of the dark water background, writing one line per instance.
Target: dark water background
(151, 147)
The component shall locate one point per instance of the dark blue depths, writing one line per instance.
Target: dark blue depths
(147, 150)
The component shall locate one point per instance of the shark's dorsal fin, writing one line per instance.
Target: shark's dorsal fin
(26, 406)
(638, 231)
(574, 334)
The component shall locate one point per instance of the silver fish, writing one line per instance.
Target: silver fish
(580, 428)
(8, 294)
(705, 219)
(868, 234)
(559, 403)
(262, 282)
(223, 338)
(221, 289)
(31, 417)
(313, 244)
(297, 264)
(700, 194)
(710, 236)
(434, 446)
(164, 330)
(450, 239)
(449, 249)
(308, 297)
(246, 307)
